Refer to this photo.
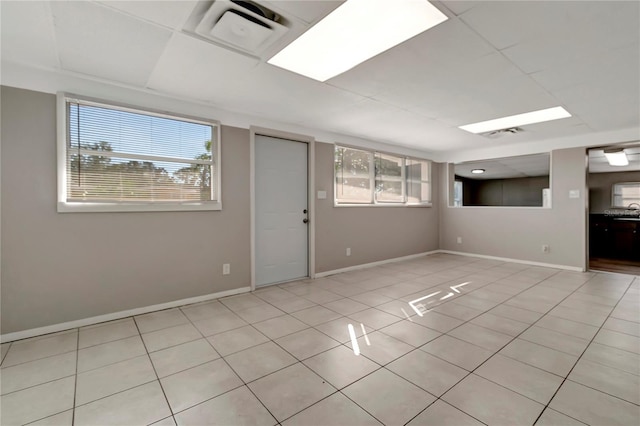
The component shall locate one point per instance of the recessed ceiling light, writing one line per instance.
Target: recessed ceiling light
(356, 31)
(532, 117)
(616, 157)
(477, 171)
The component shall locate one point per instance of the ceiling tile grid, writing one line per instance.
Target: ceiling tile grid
(100, 42)
(490, 59)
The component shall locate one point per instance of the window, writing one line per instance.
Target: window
(626, 195)
(114, 158)
(418, 185)
(365, 177)
(353, 176)
(389, 178)
(457, 193)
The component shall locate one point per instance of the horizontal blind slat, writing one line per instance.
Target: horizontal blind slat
(123, 156)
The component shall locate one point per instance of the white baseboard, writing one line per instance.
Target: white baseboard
(369, 265)
(508, 259)
(25, 334)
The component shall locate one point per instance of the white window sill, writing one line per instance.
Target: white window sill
(384, 205)
(78, 207)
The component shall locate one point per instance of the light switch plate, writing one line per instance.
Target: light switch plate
(322, 195)
(574, 193)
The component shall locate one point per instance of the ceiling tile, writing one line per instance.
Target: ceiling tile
(459, 7)
(611, 116)
(417, 65)
(486, 88)
(309, 11)
(171, 14)
(575, 27)
(274, 93)
(592, 28)
(98, 41)
(618, 65)
(26, 32)
(197, 69)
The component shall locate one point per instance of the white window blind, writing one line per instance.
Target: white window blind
(126, 156)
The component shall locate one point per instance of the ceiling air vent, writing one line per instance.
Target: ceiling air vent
(244, 26)
(502, 132)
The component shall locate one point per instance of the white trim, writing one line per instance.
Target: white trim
(72, 206)
(66, 206)
(62, 124)
(18, 335)
(377, 263)
(373, 201)
(311, 185)
(521, 261)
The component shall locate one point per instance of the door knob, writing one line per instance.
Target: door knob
(305, 220)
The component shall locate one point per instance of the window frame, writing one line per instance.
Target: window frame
(383, 178)
(374, 202)
(613, 194)
(65, 206)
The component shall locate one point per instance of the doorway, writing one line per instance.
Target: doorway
(281, 209)
(614, 209)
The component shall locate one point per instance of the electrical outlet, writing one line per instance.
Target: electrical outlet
(348, 251)
(545, 248)
(459, 240)
(226, 269)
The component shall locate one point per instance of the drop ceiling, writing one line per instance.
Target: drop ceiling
(598, 162)
(506, 168)
(489, 59)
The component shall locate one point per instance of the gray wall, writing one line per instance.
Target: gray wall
(372, 233)
(519, 233)
(63, 267)
(59, 267)
(504, 192)
(600, 188)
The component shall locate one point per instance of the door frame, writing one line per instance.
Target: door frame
(311, 240)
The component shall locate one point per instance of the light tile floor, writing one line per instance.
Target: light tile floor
(441, 340)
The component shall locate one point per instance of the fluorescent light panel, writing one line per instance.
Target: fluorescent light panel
(617, 157)
(532, 117)
(356, 31)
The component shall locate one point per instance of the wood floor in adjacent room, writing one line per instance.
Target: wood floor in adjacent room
(614, 265)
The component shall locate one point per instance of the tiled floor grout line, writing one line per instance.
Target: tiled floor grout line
(400, 319)
(75, 384)
(392, 372)
(345, 344)
(154, 371)
(469, 372)
(482, 313)
(244, 383)
(580, 357)
(515, 337)
(5, 354)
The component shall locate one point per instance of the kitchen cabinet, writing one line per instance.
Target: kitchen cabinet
(614, 238)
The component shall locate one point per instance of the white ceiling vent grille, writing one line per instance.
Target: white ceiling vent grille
(502, 132)
(244, 26)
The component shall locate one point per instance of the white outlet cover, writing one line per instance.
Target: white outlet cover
(322, 195)
(574, 193)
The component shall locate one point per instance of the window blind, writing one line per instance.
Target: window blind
(129, 156)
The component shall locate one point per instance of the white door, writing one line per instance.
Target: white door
(281, 230)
